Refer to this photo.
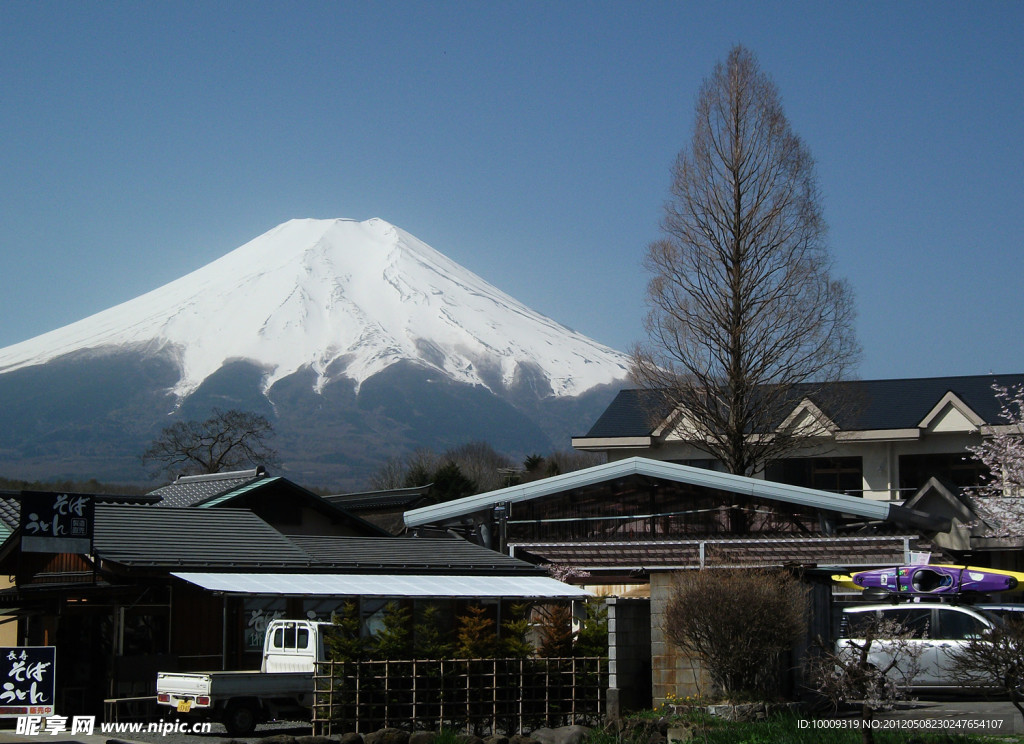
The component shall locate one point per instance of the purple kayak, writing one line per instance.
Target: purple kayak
(937, 579)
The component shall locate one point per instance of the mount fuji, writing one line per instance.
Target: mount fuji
(359, 342)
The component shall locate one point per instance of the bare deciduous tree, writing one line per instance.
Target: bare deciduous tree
(228, 439)
(738, 622)
(743, 307)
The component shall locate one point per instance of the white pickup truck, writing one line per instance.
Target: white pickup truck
(282, 688)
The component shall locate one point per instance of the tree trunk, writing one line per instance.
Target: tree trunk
(867, 715)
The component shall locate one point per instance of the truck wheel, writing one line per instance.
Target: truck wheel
(240, 719)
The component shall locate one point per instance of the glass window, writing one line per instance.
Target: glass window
(959, 469)
(916, 620)
(836, 474)
(958, 626)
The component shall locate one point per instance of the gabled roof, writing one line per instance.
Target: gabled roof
(373, 501)
(234, 493)
(873, 405)
(951, 403)
(186, 538)
(632, 413)
(658, 469)
(10, 507)
(187, 490)
(218, 489)
(140, 536)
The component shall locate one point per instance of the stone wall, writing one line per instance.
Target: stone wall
(672, 672)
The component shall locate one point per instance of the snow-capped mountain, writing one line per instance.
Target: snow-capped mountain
(360, 341)
(344, 299)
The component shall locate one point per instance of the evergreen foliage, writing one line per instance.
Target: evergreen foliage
(345, 642)
(430, 641)
(556, 636)
(476, 636)
(394, 640)
(515, 632)
(450, 483)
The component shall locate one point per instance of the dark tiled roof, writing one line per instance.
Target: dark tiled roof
(10, 510)
(387, 554)
(678, 554)
(182, 537)
(10, 507)
(375, 501)
(193, 489)
(632, 413)
(902, 404)
(873, 404)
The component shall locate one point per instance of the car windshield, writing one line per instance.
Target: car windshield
(1002, 614)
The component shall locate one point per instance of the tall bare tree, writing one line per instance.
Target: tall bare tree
(227, 439)
(744, 315)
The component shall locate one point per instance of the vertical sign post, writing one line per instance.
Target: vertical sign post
(27, 680)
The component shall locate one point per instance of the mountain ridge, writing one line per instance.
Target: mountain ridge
(320, 278)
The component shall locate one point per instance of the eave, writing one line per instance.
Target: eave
(611, 443)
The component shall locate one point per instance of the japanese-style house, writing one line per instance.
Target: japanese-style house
(627, 526)
(189, 588)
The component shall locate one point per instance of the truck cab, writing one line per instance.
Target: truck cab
(293, 646)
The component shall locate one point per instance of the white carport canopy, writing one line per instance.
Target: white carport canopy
(383, 585)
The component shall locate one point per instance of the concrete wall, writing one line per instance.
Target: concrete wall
(629, 654)
(672, 672)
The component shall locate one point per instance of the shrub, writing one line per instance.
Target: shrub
(738, 622)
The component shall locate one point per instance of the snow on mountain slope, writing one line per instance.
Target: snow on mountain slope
(346, 299)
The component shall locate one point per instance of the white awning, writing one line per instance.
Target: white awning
(383, 585)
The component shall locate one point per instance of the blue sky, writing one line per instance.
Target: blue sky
(529, 141)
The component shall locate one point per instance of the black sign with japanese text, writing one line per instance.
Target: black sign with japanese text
(56, 522)
(27, 680)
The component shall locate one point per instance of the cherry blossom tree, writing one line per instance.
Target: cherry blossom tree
(1003, 452)
(849, 674)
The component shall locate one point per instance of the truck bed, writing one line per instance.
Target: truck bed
(221, 684)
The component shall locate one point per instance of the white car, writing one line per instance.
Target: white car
(939, 631)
